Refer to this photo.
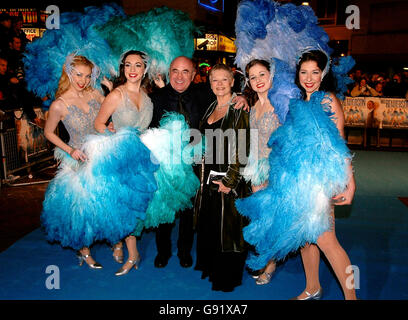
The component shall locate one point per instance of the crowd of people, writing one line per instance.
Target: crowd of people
(13, 92)
(378, 85)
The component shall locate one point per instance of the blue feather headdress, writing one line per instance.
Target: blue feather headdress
(162, 33)
(340, 69)
(277, 33)
(266, 29)
(44, 58)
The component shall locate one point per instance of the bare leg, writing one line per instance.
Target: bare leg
(132, 250)
(338, 260)
(311, 259)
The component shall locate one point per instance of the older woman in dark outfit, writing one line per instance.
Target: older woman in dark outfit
(221, 250)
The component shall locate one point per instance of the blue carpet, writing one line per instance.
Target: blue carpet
(373, 231)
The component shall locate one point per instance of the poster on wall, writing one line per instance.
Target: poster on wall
(31, 140)
(32, 19)
(375, 112)
(355, 112)
(392, 113)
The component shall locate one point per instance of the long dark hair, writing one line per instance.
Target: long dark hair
(121, 79)
(328, 83)
(250, 94)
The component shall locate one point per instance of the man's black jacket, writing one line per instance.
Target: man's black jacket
(197, 98)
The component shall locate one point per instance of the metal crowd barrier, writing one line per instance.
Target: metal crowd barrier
(22, 145)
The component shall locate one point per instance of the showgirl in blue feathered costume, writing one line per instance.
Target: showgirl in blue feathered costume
(163, 34)
(308, 168)
(309, 162)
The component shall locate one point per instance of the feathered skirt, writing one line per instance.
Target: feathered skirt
(308, 166)
(176, 180)
(121, 189)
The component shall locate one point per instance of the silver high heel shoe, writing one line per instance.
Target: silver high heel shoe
(312, 296)
(135, 264)
(255, 274)
(83, 258)
(118, 259)
(264, 280)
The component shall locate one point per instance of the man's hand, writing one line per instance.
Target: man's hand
(159, 81)
(107, 83)
(14, 80)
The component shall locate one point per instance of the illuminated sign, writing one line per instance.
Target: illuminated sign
(33, 20)
(226, 44)
(213, 5)
(215, 42)
(210, 42)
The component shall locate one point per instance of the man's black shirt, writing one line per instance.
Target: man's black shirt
(196, 99)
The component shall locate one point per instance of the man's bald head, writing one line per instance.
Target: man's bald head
(181, 73)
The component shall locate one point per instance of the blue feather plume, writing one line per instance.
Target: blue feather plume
(340, 69)
(44, 57)
(162, 33)
(176, 180)
(283, 89)
(307, 168)
(104, 198)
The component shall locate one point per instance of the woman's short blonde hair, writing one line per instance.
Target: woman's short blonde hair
(221, 66)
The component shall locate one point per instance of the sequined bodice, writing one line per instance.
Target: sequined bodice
(128, 115)
(265, 125)
(79, 124)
